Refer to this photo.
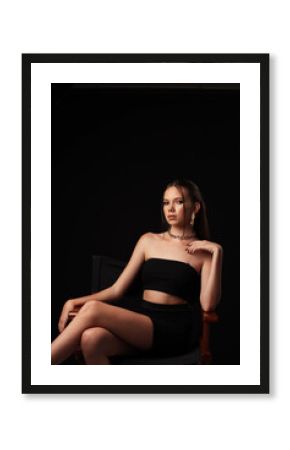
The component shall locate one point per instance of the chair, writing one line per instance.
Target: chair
(105, 271)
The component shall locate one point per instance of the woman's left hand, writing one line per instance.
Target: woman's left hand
(208, 246)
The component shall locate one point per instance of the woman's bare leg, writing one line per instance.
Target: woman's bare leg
(134, 328)
(98, 343)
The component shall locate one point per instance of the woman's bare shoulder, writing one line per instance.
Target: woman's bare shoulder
(151, 238)
(150, 241)
(151, 235)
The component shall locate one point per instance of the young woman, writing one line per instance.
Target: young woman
(181, 273)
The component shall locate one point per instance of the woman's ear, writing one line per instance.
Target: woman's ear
(196, 207)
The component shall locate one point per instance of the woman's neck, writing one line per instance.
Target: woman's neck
(179, 231)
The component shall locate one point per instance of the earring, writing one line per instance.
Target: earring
(192, 219)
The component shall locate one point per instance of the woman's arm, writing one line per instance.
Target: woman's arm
(104, 295)
(211, 280)
(118, 289)
(113, 292)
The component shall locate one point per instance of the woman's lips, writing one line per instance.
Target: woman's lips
(171, 217)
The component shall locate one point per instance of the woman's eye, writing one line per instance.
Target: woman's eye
(178, 201)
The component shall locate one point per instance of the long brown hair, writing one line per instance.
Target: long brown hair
(201, 226)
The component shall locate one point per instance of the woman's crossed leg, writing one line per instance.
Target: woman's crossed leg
(135, 329)
(98, 343)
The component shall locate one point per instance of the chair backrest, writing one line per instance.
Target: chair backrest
(106, 270)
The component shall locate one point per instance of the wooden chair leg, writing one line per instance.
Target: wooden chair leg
(205, 352)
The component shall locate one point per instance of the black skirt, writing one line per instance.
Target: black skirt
(176, 328)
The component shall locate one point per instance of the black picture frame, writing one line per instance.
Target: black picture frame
(261, 62)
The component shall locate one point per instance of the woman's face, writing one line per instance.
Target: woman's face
(174, 205)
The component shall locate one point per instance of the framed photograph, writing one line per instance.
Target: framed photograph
(145, 223)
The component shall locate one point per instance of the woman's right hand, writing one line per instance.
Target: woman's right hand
(67, 308)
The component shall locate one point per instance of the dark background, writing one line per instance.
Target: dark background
(114, 148)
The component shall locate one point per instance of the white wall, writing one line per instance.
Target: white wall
(201, 421)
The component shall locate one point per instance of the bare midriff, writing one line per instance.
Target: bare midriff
(162, 298)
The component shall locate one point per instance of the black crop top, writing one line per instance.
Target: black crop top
(171, 276)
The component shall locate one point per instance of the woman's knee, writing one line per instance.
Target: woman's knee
(93, 339)
(91, 308)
